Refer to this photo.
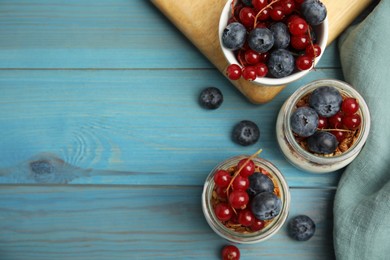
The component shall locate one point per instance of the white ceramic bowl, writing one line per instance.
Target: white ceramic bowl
(322, 38)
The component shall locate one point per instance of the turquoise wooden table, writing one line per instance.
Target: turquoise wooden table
(104, 148)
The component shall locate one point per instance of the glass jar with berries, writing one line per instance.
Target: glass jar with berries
(323, 126)
(245, 199)
(272, 42)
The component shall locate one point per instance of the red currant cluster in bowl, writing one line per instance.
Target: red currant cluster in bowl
(272, 38)
(245, 199)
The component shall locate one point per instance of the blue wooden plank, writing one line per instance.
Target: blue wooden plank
(96, 34)
(78, 222)
(132, 122)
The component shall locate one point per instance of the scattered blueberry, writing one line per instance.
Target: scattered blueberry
(211, 98)
(301, 228)
(266, 205)
(261, 39)
(326, 101)
(304, 121)
(281, 35)
(322, 142)
(41, 167)
(246, 133)
(281, 63)
(259, 183)
(314, 11)
(234, 35)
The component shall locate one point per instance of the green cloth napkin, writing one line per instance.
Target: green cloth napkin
(362, 203)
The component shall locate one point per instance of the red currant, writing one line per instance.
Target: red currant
(223, 211)
(257, 225)
(222, 178)
(322, 122)
(238, 199)
(248, 169)
(252, 57)
(297, 26)
(247, 16)
(221, 192)
(259, 4)
(288, 6)
(264, 57)
(233, 72)
(313, 50)
(249, 73)
(336, 120)
(340, 135)
(303, 62)
(240, 183)
(300, 42)
(261, 25)
(350, 106)
(299, 1)
(264, 15)
(277, 13)
(261, 70)
(352, 121)
(246, 217)
(230, 252)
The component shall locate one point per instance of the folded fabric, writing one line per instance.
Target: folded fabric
(362, 202)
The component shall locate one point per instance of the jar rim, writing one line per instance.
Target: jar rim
(345, 89)
(253, 237)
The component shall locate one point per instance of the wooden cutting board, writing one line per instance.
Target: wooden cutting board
(198, 21)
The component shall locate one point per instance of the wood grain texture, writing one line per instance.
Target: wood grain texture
(199, 21)
(117, 123)
(129, 222)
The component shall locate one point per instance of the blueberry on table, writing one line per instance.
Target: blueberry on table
(259, 183)
(211, 98)
(246, 133)
(261, 40)
(280, 63)
(301, 228)
(266, 205)
(281, 35)
(326, 101)
(234, 36)
(322, 142)
(314, 11)
(304, 121)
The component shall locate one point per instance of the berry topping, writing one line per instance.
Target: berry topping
(223, 211)
(257, 225)
(322, 142)
(304, 62)
(248, 167)
(233, 71)
(266, 205)
(240, 183)
(281, 35)
(261, 39)
(326, 101)
(301, 228)
(222, 178)
(211, 98)
(230, 252)
(234, 35)
(304, 121)
(350, 106)
(249, 73)
(259, 183)
(238, 199)
(335, 122)
(351, 121)
(246, 217)
(313, 11)
(246, 133)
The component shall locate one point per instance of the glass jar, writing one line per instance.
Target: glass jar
(304, 159)
(246, 238)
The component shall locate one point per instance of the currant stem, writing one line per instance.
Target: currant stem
(341, 130)
(258, 14)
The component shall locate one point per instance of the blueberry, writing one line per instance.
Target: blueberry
(246, 133)
(280, 63)
(304, 121)
(322, 142)
(301, 228)
(259, 183)
(261, 39)
(211, 98)
(314, 11)
(281, 35)
(233, 36)
(326, 101)
(266, 205)
(247, 2)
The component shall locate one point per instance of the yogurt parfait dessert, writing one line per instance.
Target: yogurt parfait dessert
(323, 126)
(245, 199)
